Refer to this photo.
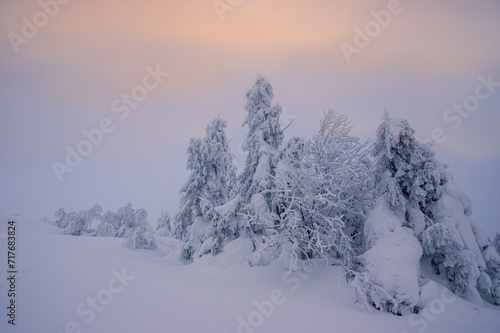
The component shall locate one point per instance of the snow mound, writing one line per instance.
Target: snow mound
(236, 252)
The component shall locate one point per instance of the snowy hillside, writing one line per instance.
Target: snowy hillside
(95, 284)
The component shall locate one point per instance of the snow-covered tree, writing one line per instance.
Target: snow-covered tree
(344, 163)
(127, 218)
(106, 229)
(140, 239)
(406, 169)
(407, 182)
(81, 222)
(488, 282)
(109, 225)
(265, 135)
(477, 264)
(121, 223)
(220, 202)
(164, 222)
(191, 192)
(211, 184)
(62, 218)
(262, 142)
(76, 223)
(323, 190)
(226, 224)
(220, 169)
(419, 211)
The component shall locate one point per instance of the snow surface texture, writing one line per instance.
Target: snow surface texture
(58, 273)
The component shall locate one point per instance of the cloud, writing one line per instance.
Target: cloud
(113, 41)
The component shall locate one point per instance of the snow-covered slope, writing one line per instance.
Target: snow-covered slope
(95, 284)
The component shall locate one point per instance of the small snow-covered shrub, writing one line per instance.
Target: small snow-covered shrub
(164, 222)
(138, 239)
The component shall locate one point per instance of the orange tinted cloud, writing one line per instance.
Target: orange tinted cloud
(113, 37)
(100, 48)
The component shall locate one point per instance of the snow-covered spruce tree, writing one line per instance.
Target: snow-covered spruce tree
(210, 185)
(256, 182)
(419, 211)
(407, 182)
(219, 201)
(191, 192)
(323, 191)
(227, 224)
(221, 171)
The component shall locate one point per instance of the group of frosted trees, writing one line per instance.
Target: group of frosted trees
(380, 209)
(77, 223)
(127, 222)
(298, 200)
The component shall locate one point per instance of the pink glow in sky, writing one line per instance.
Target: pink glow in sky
(65, 78)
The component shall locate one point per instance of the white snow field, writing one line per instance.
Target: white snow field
(96, 285)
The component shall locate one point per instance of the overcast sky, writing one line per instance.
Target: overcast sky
(65, 72)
